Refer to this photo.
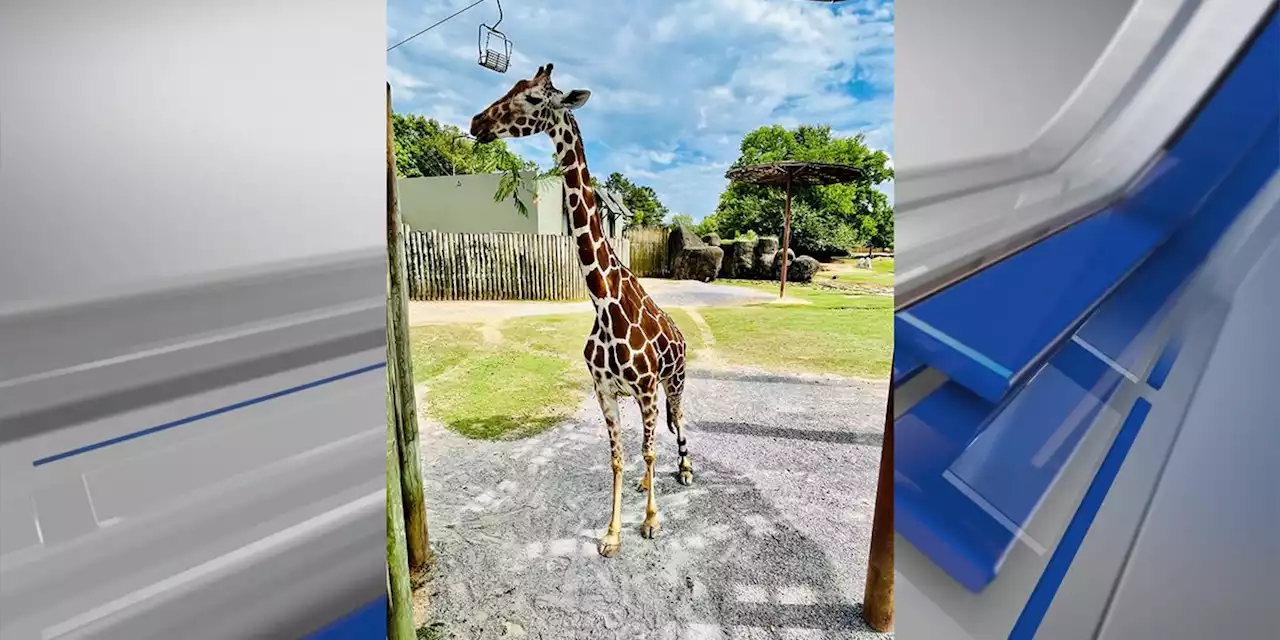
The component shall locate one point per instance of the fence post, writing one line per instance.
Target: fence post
(400, 364)
(399, 588)
(877, 599)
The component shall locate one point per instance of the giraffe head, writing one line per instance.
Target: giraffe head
(529, 107)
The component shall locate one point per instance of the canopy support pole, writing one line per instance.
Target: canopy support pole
(786, 241)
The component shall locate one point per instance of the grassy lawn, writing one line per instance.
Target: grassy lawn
(526, 375)
(528, 381)
(835, 332)
(843, 273)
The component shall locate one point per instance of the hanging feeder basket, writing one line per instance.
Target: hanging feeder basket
(495, 48)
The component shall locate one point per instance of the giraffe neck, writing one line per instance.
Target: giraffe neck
(600, 267)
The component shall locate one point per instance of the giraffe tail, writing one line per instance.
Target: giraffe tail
(674, 388)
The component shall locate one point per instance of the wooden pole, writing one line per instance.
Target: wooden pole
(877, 599)
(786, 241)
(399, 589)
(400, 369)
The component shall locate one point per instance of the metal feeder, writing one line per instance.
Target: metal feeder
(495, 48)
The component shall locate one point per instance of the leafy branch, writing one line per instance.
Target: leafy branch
(514, 181)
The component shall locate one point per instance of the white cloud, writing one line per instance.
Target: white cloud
(675, 83)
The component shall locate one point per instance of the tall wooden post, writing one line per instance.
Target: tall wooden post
(400, 368)
(786, 240)
(877, 599)
(399, 589)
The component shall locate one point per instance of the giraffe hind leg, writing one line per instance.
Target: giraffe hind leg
(675, 423)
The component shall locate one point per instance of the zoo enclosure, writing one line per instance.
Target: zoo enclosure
(649, 252)
(496, 266)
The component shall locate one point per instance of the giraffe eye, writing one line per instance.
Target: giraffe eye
(533, 100)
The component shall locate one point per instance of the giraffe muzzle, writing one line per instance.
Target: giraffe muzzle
(482, 130)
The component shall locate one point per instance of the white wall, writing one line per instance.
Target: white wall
(464, 204)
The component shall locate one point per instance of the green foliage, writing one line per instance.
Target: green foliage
(682, 220)
(425, 147)
(642, 200)
(825, 220)
(527, 181)
(708, 225)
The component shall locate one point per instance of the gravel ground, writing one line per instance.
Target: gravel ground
(769, 542)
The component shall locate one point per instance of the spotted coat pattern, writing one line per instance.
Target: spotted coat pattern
(634, 346)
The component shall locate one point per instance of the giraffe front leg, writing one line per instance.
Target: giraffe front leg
(611, 543)
(649, 411)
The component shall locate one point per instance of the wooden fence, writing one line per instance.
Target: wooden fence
(495, 266)
(648, 251)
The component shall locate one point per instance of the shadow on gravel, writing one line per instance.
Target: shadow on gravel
(694, 373)
(514, 533)
(859, 438)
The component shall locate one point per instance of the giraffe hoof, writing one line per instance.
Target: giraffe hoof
(609, 545)
(686, 477)
(650, 528)
(643, 486)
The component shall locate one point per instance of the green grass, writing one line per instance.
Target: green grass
(843, 273)
(835, 332)
(531, 380)
(438, 348)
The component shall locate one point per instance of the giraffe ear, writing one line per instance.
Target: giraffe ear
(575, 99)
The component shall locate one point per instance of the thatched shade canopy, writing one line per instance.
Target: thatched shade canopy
(809, 173)
(786, 174)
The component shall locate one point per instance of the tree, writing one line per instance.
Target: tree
(825, 220)
(682, 220)
(425, 147)
(641, 200)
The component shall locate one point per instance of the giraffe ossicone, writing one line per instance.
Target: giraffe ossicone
(634, 347)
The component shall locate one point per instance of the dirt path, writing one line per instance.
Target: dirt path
(769, 542)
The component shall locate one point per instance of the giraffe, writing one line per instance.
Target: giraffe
(634, 347)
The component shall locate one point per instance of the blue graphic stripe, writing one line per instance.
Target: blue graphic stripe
(1164, 364)
(367, 623)
(1056, 570)
(950, 342)
(1014, 311)
(207, 414)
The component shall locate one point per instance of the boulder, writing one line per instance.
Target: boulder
(698, 263)
(764, 253)
(690, 258)
(802, 270)
(763, 266)
(739, 256)
(680, 238)
(712, 239)
(775, 266)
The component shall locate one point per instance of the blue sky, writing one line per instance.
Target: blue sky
(675, 83)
